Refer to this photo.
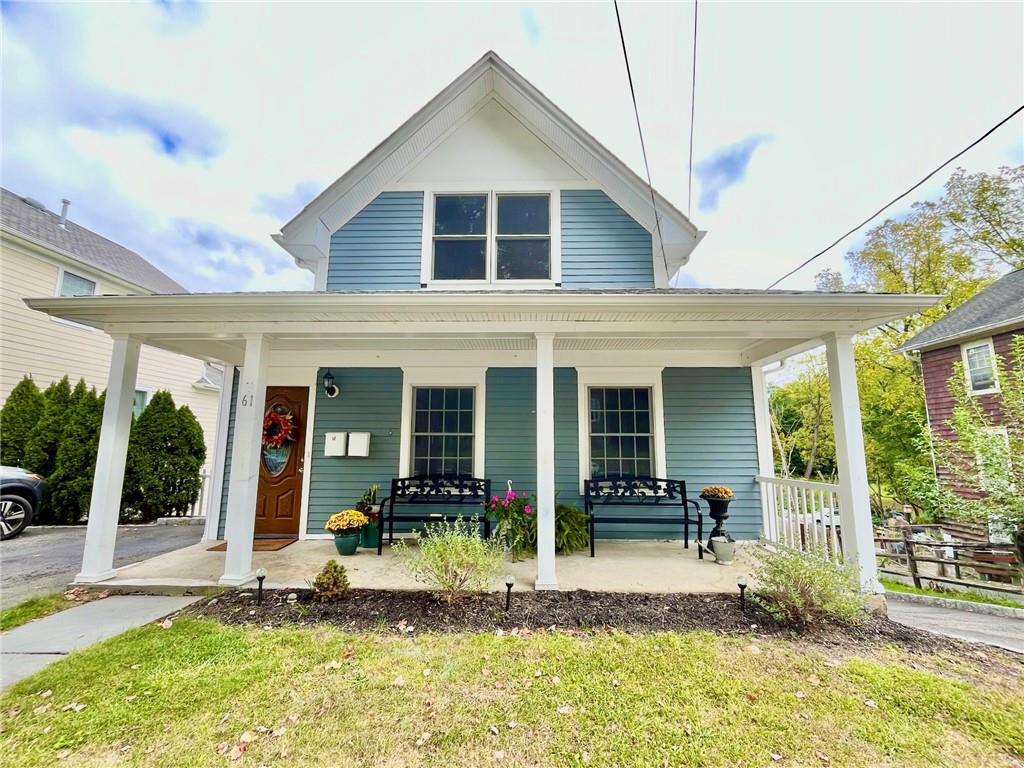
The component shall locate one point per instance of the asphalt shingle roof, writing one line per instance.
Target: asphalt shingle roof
(999, 305)
(83, 244)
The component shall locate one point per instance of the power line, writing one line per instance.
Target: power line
(896, 199)
(693, 107)
(643, 149)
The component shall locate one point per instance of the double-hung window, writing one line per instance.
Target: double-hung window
(491, 237)
(621, 432)
(442, 430)
(980, 367)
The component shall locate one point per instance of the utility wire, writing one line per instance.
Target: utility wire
(643, 149)
(693, 106)
(896, 199)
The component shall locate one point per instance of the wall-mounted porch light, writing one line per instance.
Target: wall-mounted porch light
(329, 387)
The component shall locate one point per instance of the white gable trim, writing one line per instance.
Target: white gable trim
(307, 236)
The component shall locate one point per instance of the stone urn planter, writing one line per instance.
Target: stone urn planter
(718, 498)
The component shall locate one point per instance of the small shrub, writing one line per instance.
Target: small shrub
(453, 559)
(804, 589)
(571, 530)
(331, 583)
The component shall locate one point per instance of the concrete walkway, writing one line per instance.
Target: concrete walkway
(28, 648)
(977, 627)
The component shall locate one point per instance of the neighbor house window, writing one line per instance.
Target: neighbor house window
(76, 285)
(140, 402)
(490, 237)
(442, 430)
(980, 367)
(621, 432)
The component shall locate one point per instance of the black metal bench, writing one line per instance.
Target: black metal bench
(641, 491)
(450, 490)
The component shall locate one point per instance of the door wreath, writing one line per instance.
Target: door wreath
(278, 427)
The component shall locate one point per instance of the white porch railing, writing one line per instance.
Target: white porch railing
(801, 514)
(199, 508)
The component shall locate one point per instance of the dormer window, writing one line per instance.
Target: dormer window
(492, 237)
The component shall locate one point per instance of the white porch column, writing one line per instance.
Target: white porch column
(105, 505)
(546, 576)
(762, 428)
(213, 498)
(854, 501)
(245, 462)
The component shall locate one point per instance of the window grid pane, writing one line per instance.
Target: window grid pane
(620, 436)
(73, 285)
(442, 439)
(981, 367)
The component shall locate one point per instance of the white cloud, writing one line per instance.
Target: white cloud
(260, 105)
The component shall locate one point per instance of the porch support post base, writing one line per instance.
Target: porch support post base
(546, 576)
(236, 581)
(245, 462)
(546, 587)
(111, 454)
(854, 498)
(94, 578)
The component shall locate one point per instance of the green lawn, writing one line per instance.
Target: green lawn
(190, 694)
(969, 596)
(33, 608)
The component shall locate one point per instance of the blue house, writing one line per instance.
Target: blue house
(492, 298)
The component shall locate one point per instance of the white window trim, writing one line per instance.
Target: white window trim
(620, 377)
(85, 275)
(475, 377)
(150, 391)
(555, 236)
(967, 366)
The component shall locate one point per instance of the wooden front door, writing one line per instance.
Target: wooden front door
(279, 494)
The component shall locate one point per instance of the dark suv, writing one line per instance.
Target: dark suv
(22, 495)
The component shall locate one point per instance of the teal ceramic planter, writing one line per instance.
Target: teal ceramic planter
(368, 538)
(347, 543)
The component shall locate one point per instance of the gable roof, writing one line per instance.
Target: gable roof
(998, 307)
(307, 236)
(29, 220)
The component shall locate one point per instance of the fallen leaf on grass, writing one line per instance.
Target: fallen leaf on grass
(538, 673)
(136, 666)
(427, 672)
(332, 664)
(399, 682)
(422, 739)
(238, 750)
(499, 754)
(349, 651)
(166, 624)
(615, 683)
(75, 706)
(753, 648)
(292, 718)
(814, 680)
(45, 694)
(555, 679)
(512, 723)
(871, 703)
(64, 754)
(224, 719)
(278, 732)
(129, 699)
(801, 695)
(822, 757)
(493, 730)
(485, 672)
(775, 756)
(565, 709)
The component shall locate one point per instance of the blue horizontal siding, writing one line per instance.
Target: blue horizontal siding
(511, 424)
(602, 245)
(370, 401)
(380, 247)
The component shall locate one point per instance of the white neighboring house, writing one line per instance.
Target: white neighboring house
(43, 253)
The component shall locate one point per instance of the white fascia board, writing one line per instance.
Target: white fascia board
(489, 77)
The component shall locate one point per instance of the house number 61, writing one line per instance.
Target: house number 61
(246, 401)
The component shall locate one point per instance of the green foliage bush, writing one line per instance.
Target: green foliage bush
(805, 589)
(331, 583)
(22, 410)
(571, 531)
(41, 448)
(165, 456)
(71, 482)
(453, 559)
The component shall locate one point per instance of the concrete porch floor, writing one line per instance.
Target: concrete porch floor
(620, 566)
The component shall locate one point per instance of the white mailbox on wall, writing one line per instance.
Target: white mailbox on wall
(335, 443)
(358, 443)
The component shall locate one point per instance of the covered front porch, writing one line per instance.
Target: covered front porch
(532, 361)
(624, 566)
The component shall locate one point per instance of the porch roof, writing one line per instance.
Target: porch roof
(742, 327)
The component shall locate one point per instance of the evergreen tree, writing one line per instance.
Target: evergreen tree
(71, 483)
(165, 456)
(22, 409)
(41, 449)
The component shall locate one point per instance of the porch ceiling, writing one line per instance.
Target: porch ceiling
(752, 327)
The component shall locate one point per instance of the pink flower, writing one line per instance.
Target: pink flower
(528, 510)
(510, 495)
(494, 498)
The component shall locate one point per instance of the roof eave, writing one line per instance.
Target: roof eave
(956, 338)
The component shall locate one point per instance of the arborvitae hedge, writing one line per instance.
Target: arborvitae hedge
(71, 482)
(22, 409)
(41, 449)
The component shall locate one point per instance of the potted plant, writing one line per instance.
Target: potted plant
(368, 506)
(718, 498)
(346, 527)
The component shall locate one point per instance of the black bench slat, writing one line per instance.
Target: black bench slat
(641, 491)
(449, 490)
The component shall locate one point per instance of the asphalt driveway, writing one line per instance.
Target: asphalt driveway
(46, 559)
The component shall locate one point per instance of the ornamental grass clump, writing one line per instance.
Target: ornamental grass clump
(806, 589)
(452, 558)
(347, 521)
(331, 583)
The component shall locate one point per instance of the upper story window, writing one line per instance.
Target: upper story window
(76, 285)
(492, 237)
(980, 367)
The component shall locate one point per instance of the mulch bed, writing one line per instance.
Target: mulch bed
(415, 611)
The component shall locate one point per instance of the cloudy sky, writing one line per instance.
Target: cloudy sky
(190, 133)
